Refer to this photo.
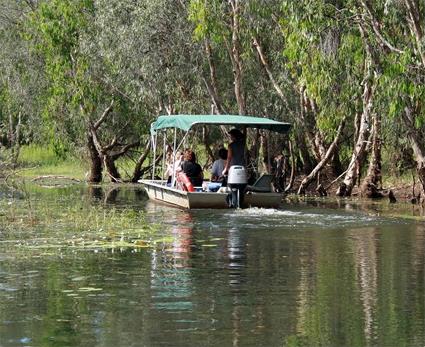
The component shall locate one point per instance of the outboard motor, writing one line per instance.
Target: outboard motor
(237, 182)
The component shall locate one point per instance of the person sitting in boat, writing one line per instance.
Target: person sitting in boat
(173, 168)
(218, 166)
(192, 169)
(236, 151)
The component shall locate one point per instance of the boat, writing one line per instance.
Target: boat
(159, 190)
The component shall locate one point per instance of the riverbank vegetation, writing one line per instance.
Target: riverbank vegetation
(86, 78)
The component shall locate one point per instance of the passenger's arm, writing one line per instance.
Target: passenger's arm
(229, 159)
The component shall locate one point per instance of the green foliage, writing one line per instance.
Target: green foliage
(320, 40)
(65, 61)
(207, 16)
(54, 30)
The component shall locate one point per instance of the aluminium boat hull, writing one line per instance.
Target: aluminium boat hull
(157, 190)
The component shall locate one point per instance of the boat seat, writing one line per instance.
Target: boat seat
(262, 185)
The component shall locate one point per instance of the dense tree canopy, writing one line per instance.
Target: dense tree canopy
(88, 76)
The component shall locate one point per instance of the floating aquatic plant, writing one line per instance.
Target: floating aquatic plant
(70, 223)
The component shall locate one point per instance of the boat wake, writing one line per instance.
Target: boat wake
(324, 218)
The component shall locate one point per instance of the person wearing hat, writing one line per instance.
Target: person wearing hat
(236, 150)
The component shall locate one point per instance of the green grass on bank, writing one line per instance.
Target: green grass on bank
(36, 160)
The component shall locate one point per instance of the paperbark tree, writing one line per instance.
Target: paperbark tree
(369, 88)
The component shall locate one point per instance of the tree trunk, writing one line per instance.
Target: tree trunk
(96, 157)
(235, 57)
(266, 66)
(292, 177)
(302, 118)
(307, 180)
(280, 170)
(308, 161)
(138, 172)
(96, 167)
(14, 139)
(207, 145)
(212, 85)
(255, 147)
(336, 164)
(264, 154)
(354, 167)
(217, 106)
(372, 183)
(418, 145)
(414, 21)
(111, 169)
(308, 117)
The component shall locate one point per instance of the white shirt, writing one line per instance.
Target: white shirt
(218, 167)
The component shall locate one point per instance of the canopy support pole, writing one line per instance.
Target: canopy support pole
(174, 158)
(154, 138)
(164, 153)
(181, 142)
(269, 159)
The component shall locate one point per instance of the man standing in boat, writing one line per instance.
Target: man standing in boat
(235, 168)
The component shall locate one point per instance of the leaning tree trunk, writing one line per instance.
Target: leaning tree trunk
(303, 122)
(96, 167)
(372, 183)
(329, 153)
(138, 171)
(111, 169)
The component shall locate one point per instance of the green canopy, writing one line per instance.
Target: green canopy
(185, 122)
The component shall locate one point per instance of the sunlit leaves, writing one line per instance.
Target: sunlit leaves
(324, 52)
(207, 16)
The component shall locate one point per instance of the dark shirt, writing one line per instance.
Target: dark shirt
(193, 171)
(238, 153)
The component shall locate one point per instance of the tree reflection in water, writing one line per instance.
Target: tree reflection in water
(309, 275)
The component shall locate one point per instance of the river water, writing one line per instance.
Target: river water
(106, 267)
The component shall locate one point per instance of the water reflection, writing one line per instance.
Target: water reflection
(236, 253)
(308, 275)
(170, 272)
(181, 245)
(365, 255)
(115, 194)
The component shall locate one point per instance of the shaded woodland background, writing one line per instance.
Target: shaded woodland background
(87, 77)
